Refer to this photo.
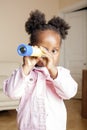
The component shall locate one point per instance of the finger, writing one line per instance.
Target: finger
(46, 53)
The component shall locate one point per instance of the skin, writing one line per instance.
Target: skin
(49, 42)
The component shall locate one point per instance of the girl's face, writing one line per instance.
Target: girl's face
(50, 40)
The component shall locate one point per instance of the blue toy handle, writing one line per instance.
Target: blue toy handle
(25, 50)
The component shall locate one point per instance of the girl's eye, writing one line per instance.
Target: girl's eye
(54, 51)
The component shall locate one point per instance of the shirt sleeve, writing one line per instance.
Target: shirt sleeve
(65, 85)
(15, 85)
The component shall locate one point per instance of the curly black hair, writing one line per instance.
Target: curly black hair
(36, 23)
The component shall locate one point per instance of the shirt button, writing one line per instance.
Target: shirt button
(31, 79)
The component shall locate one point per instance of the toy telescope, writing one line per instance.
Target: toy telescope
(28, 50)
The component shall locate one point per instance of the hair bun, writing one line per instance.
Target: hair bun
(34, 22)
(60, 25)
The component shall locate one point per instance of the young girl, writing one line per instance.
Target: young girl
(39, 83)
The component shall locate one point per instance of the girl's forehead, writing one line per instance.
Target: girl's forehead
(47, 33)
(50, 37)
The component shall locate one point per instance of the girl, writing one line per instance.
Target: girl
(39, 83)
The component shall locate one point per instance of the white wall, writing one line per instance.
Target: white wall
(13, 14)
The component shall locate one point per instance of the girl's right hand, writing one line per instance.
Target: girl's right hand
(28, 63)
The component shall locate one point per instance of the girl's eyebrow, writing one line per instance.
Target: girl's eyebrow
(57, 48)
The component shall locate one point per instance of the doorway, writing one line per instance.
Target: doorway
(74, 49)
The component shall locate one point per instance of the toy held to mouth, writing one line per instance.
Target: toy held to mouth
(28, 50)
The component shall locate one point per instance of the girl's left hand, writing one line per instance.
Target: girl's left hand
(48, 60)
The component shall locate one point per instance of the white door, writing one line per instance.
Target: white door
(75, 46)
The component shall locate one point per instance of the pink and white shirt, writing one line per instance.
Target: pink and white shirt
(41, 104)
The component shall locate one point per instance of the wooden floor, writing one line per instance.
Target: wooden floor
(75, 121)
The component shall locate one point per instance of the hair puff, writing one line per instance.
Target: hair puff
(35, 21)
(60, 25)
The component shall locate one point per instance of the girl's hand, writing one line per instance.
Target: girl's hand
(28, 63)
(48, 60)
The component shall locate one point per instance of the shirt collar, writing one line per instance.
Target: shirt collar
(43, 70)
